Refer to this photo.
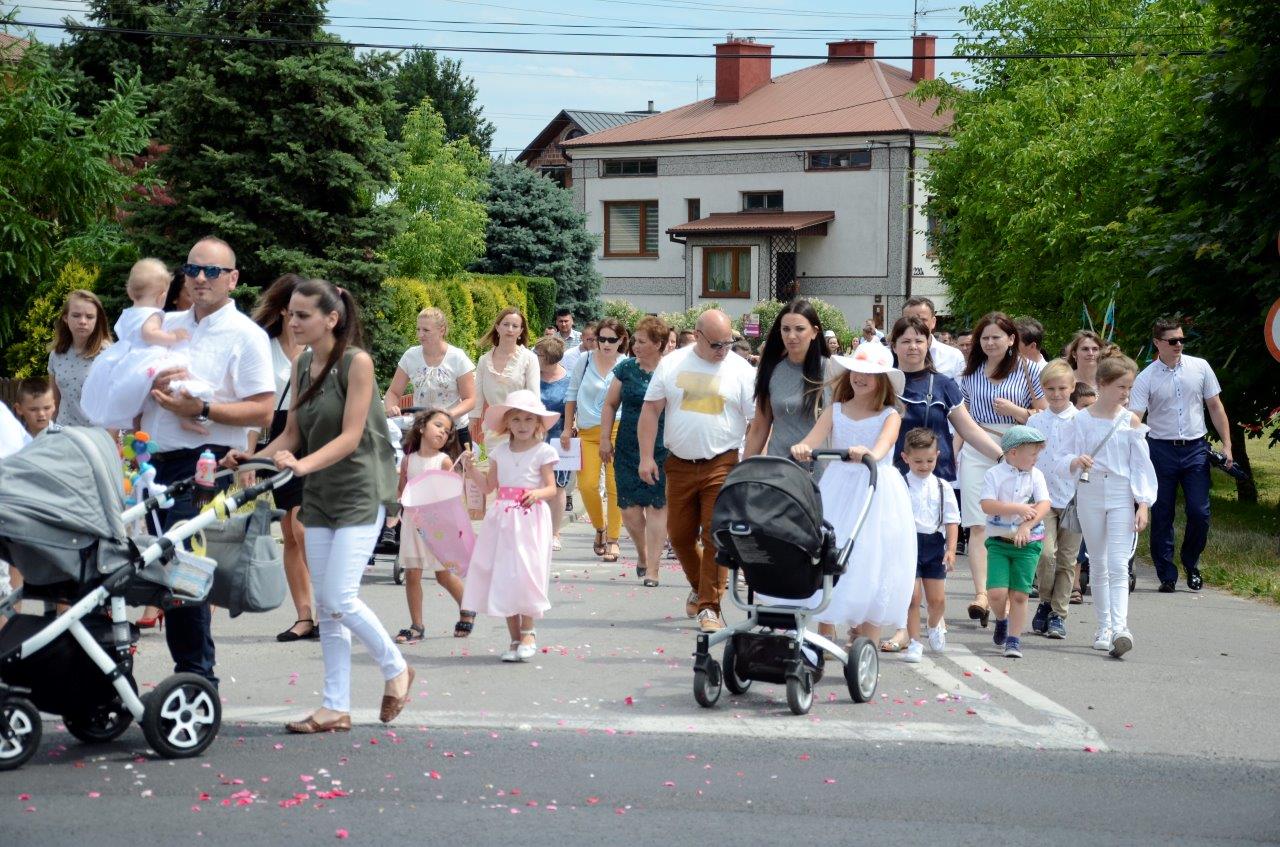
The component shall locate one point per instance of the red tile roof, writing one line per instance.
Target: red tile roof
(12, 47)
(843, 97)
(726, 222)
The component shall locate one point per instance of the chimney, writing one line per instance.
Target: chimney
(850, 49)
(924, 48)
(742, 66)
(650, 109)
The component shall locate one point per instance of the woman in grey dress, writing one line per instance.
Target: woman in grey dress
(790, 380)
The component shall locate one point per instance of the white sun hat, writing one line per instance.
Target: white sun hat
(525, 401)
(873, 359)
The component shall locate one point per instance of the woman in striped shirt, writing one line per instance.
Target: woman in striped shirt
(1000, 389)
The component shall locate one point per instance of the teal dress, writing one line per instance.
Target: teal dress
(634, 382)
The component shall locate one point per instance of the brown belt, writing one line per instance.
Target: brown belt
(701, 461)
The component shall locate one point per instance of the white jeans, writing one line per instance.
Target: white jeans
(1106, 508)
(337, 558)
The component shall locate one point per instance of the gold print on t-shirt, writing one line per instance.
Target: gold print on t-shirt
(701, 393)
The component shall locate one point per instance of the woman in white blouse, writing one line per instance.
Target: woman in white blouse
(1114, 493)
(442, 375)
(588, 387)
(507, 366)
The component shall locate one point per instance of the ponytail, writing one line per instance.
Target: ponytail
(346, 333)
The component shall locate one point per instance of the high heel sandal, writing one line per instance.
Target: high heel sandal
(598, 546)
(980, 609)
(613, 551)
(156, 621)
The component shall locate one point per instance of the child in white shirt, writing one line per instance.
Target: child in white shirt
(937, 519)
(1056, 572)
(1015, 498)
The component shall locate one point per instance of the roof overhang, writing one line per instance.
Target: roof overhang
(770, 223)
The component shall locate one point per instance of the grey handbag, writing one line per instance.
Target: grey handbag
(250, 574)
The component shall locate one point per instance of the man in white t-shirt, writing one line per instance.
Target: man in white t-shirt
(231, 353)
(1173, 392)
(947, 360)
(708, 397)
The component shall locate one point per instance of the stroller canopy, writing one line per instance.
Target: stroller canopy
(58, 496)
(776, 495)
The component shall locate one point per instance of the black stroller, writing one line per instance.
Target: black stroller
(767, 522)
(63, 524)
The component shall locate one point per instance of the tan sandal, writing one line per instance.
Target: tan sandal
(612, 551)
(980, 608)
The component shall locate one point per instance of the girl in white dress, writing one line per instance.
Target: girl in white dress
(120, 379)
(511, 564)
(875, 589)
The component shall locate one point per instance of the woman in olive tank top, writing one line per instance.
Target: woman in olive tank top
(336, 441)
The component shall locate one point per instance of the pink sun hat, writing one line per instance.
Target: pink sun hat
(523, 400)
(873, 359)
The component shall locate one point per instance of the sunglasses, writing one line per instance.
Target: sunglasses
(607, 339)
(209, 271)
(716, 345)
(1176, 342)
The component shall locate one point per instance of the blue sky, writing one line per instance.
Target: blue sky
(521, 93)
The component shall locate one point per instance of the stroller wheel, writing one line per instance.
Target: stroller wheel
(862, 672)
(733, 682)
(800, 693)
(98, 726)
(20, 730)
(707, 684)
(182, 716)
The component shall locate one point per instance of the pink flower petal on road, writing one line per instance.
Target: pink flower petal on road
(340, 834)
(1089, 748)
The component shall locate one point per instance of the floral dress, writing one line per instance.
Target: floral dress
(632, 491)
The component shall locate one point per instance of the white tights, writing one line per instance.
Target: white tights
(1105, 505)
(337, 558)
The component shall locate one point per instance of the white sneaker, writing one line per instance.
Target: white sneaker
(1102, 640)
(938, 638)
(1122, 643)
(913, 653)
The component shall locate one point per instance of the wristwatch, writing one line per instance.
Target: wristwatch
(203, 417)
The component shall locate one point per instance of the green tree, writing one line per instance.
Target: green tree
(439, 187)
(534, 230)
(59, 184)
(102, 57)
(1050, 158)
(422, 75)
(279, 148)
(1208, 231)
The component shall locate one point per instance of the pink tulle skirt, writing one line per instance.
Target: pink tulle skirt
(511, 564)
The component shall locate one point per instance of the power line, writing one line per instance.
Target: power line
(534, 51)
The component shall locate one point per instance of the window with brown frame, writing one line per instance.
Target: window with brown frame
(631, 229)
(838, 160)
(693, 208)
(726, 272)
(628, 167)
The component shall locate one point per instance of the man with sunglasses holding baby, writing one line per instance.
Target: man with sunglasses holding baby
(1173, 391)
(232, 353)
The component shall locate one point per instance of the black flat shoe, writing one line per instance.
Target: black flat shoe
(291, 635)
(1194, 580)
(1167, 587)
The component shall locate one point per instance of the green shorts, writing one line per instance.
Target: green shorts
(1010, 566)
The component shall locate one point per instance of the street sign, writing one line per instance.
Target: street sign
(1272, 329)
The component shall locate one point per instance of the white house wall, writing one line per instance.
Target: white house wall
(862, 257)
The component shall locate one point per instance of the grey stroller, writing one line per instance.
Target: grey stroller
(767, 523)
(63, 524)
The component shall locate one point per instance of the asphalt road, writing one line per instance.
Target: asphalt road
(1178, 742)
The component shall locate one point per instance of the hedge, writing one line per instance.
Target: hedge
(29, 355)
(470, 302)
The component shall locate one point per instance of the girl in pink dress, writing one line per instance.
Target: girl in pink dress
(511, 564)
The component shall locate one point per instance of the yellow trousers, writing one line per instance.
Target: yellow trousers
(589, 484)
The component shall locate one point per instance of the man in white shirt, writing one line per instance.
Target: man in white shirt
(708, 397)
(586, 343)
(1173, 392)
(232, 353)
(947, 360)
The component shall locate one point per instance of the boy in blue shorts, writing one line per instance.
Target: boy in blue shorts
(937, 519)
(1015, 498)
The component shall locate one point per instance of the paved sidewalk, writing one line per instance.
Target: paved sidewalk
(614, 658)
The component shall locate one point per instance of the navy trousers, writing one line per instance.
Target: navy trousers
(1185, 465)
(187, 630)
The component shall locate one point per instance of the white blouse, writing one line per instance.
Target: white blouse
(1125, 453)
